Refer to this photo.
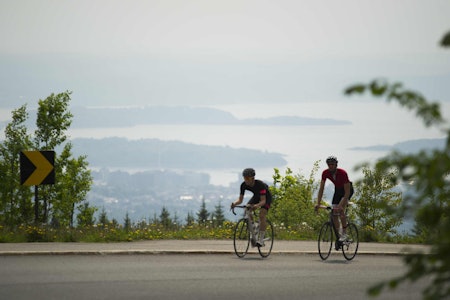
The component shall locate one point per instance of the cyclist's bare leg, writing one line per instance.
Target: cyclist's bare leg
(337, 216)
(343, 217)
(343, 222)
(336, 222)
(262, 219)
(263, 225)
(250, 221)
(251, 227)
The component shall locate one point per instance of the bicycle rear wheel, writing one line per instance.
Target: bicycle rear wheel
(265, 250)
(351, 244)
(241, 238)
(325, 241)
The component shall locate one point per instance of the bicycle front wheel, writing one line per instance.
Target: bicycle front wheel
(265, 249)
(351, 244)
(241, 239)
(325, 241)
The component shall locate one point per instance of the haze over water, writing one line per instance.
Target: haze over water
(373, 123)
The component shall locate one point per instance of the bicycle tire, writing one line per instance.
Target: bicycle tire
(325, 241)
(351, 244)
(241, 238)
(265, 250)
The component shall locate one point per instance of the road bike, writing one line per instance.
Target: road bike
(329, 231)
(246, 233)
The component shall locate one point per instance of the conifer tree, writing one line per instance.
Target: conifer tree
(164, 218)
(218, 216)
(203, 214)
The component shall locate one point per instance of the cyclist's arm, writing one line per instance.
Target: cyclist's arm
(238, 201)
(344, 201)
(320, 194)
(262, 202)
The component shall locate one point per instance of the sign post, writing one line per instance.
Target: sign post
(36, 168)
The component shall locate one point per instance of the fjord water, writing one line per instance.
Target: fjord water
(373, 123)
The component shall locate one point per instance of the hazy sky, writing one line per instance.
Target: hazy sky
(199, 52)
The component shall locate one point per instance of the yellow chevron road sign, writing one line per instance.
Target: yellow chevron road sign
(37, 167)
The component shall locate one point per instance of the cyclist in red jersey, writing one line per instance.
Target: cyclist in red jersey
(261, 199)
(343, 190)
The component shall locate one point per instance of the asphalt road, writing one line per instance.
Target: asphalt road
(198, 276)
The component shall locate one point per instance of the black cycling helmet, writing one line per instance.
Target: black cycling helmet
(332, 159)
(248, 172)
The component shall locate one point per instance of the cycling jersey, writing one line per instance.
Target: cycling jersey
(339, 178)
(258, 189)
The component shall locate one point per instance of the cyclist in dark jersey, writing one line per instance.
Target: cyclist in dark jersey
(261, 199)
(343, 190)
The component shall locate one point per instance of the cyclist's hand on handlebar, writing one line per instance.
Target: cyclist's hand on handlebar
(232, 205)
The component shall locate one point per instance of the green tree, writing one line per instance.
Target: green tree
(373, 194)
(428, 172)
(190, 220)
(53, 120)
(85, 216)
(103, 218)
(218, 216)
(127, 222)
(73, 179)
(203, 214)
(175, 221)
(164, 218)
(71, 188)
(16, 206)
(292, 205)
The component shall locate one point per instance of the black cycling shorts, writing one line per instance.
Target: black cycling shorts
(340, 192)
(255, 200)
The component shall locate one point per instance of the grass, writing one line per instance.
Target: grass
(117, 233)
(113, 233)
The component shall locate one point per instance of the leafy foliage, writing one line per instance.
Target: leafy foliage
(376, 200)
(428, 173)
(292, 207)
(15, 200)
(53, 120)
(74, 180)
(86, 216)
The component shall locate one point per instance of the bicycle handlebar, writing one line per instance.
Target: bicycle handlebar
(324, 207)
(240, 206)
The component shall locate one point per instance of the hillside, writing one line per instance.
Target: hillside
(130, 116)
(157, 154)
(411, 146)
